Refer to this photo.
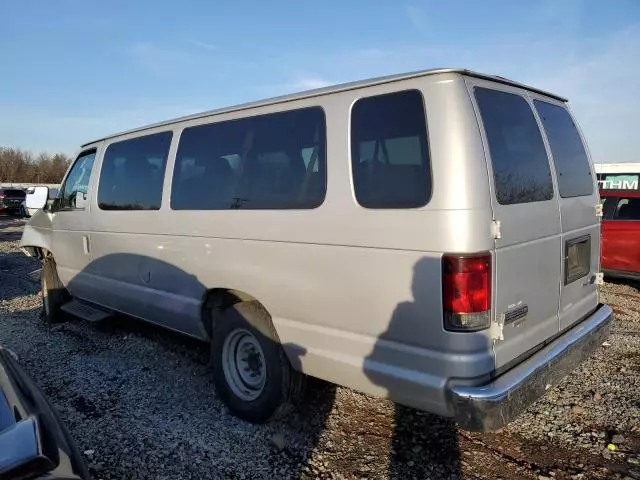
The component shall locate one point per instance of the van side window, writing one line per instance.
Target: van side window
(389, 151)
(627, 209)
(567, 150)
(521, 168)
(274, 161)
(132, 173)
(73, 195)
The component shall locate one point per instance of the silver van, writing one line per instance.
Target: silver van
(430, 237)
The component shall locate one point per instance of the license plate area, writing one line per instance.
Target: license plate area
(577, 259)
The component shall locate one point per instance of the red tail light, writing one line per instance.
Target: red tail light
(466, 292)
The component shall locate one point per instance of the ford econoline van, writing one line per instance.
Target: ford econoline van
(430, 237)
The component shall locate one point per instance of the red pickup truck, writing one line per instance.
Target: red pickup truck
(620, 252)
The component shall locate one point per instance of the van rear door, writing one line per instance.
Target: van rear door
(527, 259)
(578, 197)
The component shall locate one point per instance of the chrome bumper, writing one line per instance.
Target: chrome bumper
(493, 405)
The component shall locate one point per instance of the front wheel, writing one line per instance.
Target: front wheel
(251, 372)
(54, 295)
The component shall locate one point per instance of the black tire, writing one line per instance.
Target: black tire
(283, 386)
(54, 295)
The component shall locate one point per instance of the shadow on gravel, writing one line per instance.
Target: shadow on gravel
(156, 289)
(10, 222)
(423, 445)
(624, 282)
(291, 440)
(4, 224)
(303, 431)
(10, 236)
(14, 270)
(121, 325)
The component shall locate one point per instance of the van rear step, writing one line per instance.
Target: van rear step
(88, 312)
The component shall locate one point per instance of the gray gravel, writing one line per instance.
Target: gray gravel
(140, 403)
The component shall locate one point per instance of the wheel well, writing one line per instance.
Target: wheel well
(36, 252)
(216, 301)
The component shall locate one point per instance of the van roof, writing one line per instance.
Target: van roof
(333, 89)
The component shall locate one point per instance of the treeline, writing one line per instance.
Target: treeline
(22, 166)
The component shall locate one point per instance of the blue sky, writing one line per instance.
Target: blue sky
(73, 70)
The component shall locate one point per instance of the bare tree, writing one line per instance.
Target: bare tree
(20, 166)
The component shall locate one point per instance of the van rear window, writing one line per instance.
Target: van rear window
(521, 168)
(569, 155)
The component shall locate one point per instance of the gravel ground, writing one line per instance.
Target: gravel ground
(140, 403)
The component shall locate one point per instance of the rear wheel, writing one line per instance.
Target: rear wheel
(54, 295)
(251, 372)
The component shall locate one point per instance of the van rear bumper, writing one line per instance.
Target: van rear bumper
(491, 406)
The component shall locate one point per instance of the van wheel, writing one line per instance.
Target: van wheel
(54, 295)
(251, 372)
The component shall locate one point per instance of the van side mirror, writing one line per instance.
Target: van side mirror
(38, 198)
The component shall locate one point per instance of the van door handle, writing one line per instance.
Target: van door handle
(85, 244)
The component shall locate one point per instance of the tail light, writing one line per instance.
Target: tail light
(466, 292)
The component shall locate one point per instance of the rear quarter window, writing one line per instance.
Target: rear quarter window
(568, 152)
(521, 168)
(389, 151)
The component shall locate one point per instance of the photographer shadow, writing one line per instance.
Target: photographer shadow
(423, 444)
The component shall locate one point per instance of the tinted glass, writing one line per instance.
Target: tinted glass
(272, 161)
(73, 194)
(14, 193)
(133, 173)
(389, 151)
(569, 155)
(609, 205)
(520, 165)
(627, 209)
